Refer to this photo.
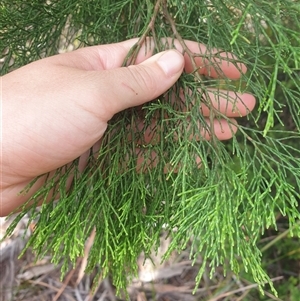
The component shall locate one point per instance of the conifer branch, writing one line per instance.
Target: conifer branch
(220, 210)
(131, 57)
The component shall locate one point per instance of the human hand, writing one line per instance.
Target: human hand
(56, 109)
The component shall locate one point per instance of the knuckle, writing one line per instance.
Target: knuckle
(143, 78)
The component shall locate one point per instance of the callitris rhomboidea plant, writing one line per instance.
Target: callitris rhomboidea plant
(220, 207)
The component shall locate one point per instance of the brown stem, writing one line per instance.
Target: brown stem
(181, 41)
(131, 57)
(194, 64)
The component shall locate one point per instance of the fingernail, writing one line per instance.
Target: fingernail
(171, 62)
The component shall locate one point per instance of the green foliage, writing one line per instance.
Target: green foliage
(221, 207)
(290, 289)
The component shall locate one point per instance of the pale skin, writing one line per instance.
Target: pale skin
(56, 109)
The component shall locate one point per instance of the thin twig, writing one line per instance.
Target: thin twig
(198, 77)
(131, 57)
(66, 281)
(95, 289)
(44, 284)
(181, 41)
(89, 244)
(248, 287)
(277, 238)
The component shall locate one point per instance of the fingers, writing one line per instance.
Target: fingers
(145, 136)
(214, 63)
(103, 57)
(225, 103)
(222, 102)
(211, 62)
(122, 88)
(228, 103)
(147, 158)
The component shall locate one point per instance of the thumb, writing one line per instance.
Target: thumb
(134, 85)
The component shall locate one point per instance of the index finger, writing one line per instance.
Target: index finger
(210, 62)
